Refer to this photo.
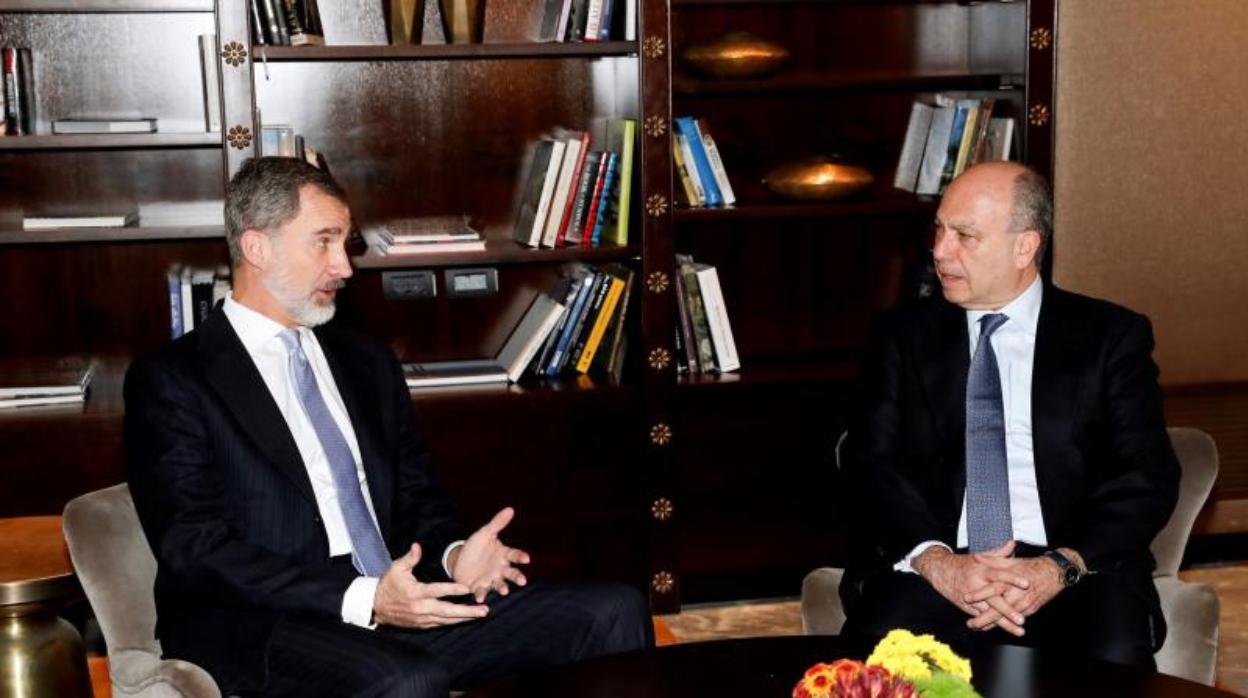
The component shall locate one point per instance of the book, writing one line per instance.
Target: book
(13, 98)
(966, 147)
(421, 248)
(302, 22)
(726, 358)
(102, 125)
(691, 195)
(697, 313)
(585, 322)
(936, 151)
(962, 111)
(29, 377)
(614, 286)
(593, 20)
(529, 335)
(561, 204)
(618, 331)
(115, 220)
(182, 213)
(717, 163)
(440, 373)
(630, 20)
(696, 153)
(911, 158)
(174, 284)
(684, 332)
(403, 231)
(259, 23)
(528, 228)
(26, 88)
(566, 292)
(1000, 139)
(593, 201)
(621, 138)
(42, 400)
(210, 59)
(576, 314)
(554, 21)
(201, 295)
(605, 210)
(184, 293)
(580, 203)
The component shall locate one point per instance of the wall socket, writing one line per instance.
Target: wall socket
(404, 285)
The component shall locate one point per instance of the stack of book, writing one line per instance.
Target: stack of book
(286, 23)
(119, 219)
(27, 382)
(417, 236)
(193, 293)
(577, 328)
(699, 166)
(103, 124)
(18, 107)
(945, 138)
(576, 188)
(704, 342)
(588, 20)
(281, 140)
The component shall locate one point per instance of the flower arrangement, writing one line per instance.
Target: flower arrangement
(903, 665)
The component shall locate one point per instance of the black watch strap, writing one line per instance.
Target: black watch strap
(1068, 572)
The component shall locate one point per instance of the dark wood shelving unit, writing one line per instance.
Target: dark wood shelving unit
(102, 141)
(106, 6)
(445, 52)
(497, 252)
(122, 234)
(780, 211)
(801, 82)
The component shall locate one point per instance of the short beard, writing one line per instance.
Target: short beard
(303, 309)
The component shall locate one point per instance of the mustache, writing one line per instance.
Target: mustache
(335, 285)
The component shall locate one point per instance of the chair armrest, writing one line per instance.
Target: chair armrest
(1191, 646)
(143, 674)
(821, 602)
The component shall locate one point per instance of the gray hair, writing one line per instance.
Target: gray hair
(1032, 208)
(264, 195)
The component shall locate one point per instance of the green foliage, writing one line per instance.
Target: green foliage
(945, 685)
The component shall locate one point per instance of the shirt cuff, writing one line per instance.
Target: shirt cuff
(446, 555)
(357, 603)
(904, 565)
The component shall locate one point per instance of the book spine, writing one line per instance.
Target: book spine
(688, 187)
(619, 325)
(717, 320)
(955, 143)
(573, 185)
(592, 201)
(697, 155)
(572, 151)
(538, 366)
(548, 193)
(584, 323)
(717, 164)
(174, 284)
(259, 25)
(608, 16)
(615, 287)
(212, 82)
(907, 176)
(604, 207)
(630, 20)
(697, 318)
(26, 90)
(557, 357)
(625, 189)
(584, 189)
(685, 330)
(593, 20)
(188, 306)
(12, 96)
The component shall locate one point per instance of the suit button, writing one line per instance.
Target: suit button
(316, 519)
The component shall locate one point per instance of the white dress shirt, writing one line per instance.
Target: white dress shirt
(1014, 343)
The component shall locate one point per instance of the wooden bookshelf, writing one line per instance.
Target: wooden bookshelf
(105, 6)
(806, 210)
(118, 141)
(497, 252)
(804, 81)
(122, 234)
(776, 372)
(446, 52)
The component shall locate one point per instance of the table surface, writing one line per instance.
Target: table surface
(770, 668)
(34, 563)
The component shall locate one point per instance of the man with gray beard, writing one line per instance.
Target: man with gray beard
(303, 545)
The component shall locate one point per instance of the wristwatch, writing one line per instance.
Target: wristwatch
(1067, 571)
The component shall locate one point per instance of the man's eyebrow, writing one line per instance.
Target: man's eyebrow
(330, 231)
(959, 226)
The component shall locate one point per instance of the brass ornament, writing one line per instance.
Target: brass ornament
(818, 179)
(656, 205)
(1041, 38)
(234, 53)
(663, 582)
(657, 281)
(660, 434)
(653, 47)
(656, 126)
(239, 137)
(660, 358)
(662, 509)
(735, 55)
(1038, 115)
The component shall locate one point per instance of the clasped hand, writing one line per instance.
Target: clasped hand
(993, 587)
(482, 563)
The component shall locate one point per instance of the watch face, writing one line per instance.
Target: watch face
(1071, 575)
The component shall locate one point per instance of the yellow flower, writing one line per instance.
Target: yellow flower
(915, 656)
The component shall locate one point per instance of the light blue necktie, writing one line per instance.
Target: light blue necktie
(987, 476)
(368, 551)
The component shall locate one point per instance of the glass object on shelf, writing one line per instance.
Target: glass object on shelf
(736, 55)
(820, 178)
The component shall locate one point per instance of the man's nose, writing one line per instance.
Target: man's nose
(340, 264)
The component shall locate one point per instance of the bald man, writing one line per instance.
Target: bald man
(1010, 463)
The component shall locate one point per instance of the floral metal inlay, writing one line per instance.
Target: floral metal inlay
(656, 205)
(660, 358)
(657, 281)
(662, 582)
(656, 126)
(1038, 115)
(653, 47)
(662, 508)
(234, 53)
(1041, 38)
(239, 137)
(660, 434)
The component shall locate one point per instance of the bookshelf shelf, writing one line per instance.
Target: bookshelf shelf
(767, 3)
(100, 141)
(125, 234)
(862, 81)
(496, 252)
(442, 52)
(529, 388)
(105, 6)
(789, 211)
(774, 372)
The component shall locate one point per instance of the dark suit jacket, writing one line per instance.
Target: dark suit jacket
(227, 505)
(1106, 473)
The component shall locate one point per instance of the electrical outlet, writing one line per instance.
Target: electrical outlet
(404, 285)
(469, 283)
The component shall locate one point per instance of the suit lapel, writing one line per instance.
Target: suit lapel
(1056, 371)
(358, 391)
(236, 380)
(944, 348)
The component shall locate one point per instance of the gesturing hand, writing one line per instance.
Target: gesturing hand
(485, 563)
(402, 601)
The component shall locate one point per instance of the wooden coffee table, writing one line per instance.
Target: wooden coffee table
(770, 667)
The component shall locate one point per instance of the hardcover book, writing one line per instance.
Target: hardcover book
(117, 220)
(621, 138)
(102, 125)
(30, 377)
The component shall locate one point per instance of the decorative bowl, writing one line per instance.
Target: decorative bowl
(735, 55)
(818, 179)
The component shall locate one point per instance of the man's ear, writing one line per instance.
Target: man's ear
(1026, 245)
(257, 248)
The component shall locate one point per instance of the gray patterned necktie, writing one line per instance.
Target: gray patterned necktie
(987, 476)
(368, 551)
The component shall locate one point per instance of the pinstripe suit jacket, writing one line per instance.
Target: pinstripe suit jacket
(226, 502)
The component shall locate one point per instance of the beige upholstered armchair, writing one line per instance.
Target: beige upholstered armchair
(1191, 609)
(117, 571)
